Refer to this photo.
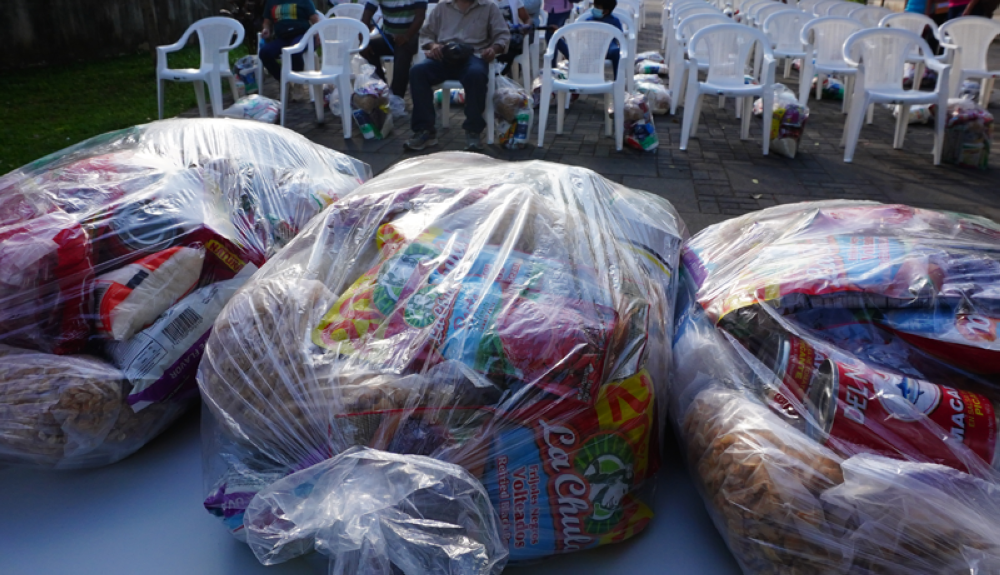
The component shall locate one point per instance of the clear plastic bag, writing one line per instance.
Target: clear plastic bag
(968, 134)
(254, 107)
(640, 133)
(787, 122)
(834, 392)
(370, 103)
(514, 113)
(657, 95)
(509, 318)
(105, 248)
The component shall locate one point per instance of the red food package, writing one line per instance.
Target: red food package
(46, 272)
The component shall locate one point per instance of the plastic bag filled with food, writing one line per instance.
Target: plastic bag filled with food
(968, 134)
(115, 257)
(787, 121)
(836, 387)
(510, 320)
(514, 113)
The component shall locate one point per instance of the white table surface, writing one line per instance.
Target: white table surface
(144, 516)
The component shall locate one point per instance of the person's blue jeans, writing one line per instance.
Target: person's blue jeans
(270, 55)
(614, 54)
(473, 75)
(556, 20)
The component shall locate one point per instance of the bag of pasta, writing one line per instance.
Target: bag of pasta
(115, 256)
(506, 320)
(836, 387)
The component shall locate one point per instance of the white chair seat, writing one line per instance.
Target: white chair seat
(562, 85)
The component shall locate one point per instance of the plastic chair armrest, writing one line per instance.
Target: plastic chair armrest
(935, 64)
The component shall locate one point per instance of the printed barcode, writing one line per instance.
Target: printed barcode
(182, 325)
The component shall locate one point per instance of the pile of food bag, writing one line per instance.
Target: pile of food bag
(640, 133)
(831, 88)
(254, 107)
(513, 109)
(657, 95)
(787, 121)
(370, 103)
(836, 387)
(245, 71)
(460, 335)
(650, 63)
(968, 134)
(115, 257)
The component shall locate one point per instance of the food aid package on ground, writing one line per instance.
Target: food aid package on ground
(919, 114)
(108, 250)
(370, 103)
(640, 133)
(831, 88)
(968, 134)
(657, 95)
(651, 67)
(254, 107)
(498, 327)
(245, 70)
(457, 97)
(836, 386)
(514, 113)
(787, 121)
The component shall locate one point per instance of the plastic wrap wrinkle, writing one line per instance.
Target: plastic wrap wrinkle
(511, 319)
(105, 248)
(847, 420)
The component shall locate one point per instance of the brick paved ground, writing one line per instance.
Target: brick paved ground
(720, 176)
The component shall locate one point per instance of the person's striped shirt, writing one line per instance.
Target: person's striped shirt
(397, 15)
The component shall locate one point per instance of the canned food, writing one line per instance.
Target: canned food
(850, 406)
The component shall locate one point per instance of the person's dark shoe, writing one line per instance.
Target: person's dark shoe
(421, 140)
(472, 142)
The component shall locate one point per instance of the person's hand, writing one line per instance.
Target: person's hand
(488, 54)
(435, 52)
(265, 34)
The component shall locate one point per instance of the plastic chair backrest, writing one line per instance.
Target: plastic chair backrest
(339, 38)
(728, 47)
(882, 52)
(749, 6)
(633, 6)
(784, 28)
(627, 20)
(692, 24)
(828, 36)
(214, 34)
(766, 10)
(823, 8)
(973, 36)
(843, 9)
(911, 21)
(355, 11)
(587, 43)
(691, 9)
(807, 5)
(870, 16)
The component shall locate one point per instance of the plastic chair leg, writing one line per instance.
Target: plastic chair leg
(902, 122)
(284, 103)
(722, 102)
(199, 93)
(852, 127)
(819, 88)
(918, 74)
(543, 112)
(985, 87)
(215, 94)
(317, 94)
(745, 120)
(871, 114)
(768, 118)
(805, 77)
(939, 122)
(788, 67)
(696, 121)
(739, 108)
(161, 87)
(848, 93)
(689, 115)
(489, 112)
(344, 93)
(607, 118)
(232, 87)
(619, 102)
(560, 111)
(445, 107)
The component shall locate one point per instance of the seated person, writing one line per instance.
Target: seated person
(285, 22)
(601, 12)
(401, 22)
(519, 22)
(453, 29)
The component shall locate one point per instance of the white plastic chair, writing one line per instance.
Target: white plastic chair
(807, 5)
(870, 16)
(879, 54)
(354, 11)
(967, 41)
(632, 35)
(823, 8)
(844, 9)
(340, 39)
(784, 28)
(824, 43)
(634, 7)
(587, 43)
(761, 12)
(536, 46)
(680, 12)
(676, 82)
(521, 65)
(915, 23)
(745, 16)
(729, 48)
(214, 36)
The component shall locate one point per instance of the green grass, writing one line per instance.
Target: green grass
(43, 110)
